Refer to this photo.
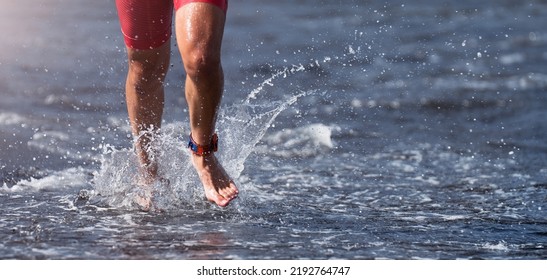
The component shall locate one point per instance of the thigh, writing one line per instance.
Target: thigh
(145, 24)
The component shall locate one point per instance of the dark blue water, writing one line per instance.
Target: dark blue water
(355, 130)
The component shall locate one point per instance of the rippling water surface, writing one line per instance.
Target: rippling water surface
(355, 130)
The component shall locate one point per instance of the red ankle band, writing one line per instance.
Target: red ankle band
(203, 149)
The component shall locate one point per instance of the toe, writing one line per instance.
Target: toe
(218, 199)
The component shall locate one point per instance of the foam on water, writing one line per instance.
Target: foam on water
(9, 118)
(77, 177)
(309, 140)
(502, 246)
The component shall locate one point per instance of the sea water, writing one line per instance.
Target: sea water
(354, 130)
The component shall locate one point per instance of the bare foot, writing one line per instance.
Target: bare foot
(142, 198)
(147, 174)
(219, 188)
(147, 191)
(147, 181)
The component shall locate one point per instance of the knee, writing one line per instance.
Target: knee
(147, 69)
(199, 63)
(145, 77)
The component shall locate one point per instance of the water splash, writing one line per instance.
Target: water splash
(240, 127)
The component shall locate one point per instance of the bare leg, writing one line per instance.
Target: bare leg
(145, 100)
(199, 29)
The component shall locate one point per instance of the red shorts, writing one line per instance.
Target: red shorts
(146, 24)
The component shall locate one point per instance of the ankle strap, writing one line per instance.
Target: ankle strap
(203, 149)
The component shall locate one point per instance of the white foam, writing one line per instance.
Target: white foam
(62, 136)
(513, 58)
(303, 141)
(428, 179)
(9, 118)
(501, 246)
(68, 178)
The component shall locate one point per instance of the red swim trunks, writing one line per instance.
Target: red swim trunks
(146, 24)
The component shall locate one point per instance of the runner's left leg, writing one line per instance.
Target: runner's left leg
(199, 30)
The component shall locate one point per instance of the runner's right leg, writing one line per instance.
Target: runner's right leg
(146, 26)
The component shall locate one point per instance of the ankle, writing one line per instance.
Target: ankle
(203, 150)
(201, 161)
